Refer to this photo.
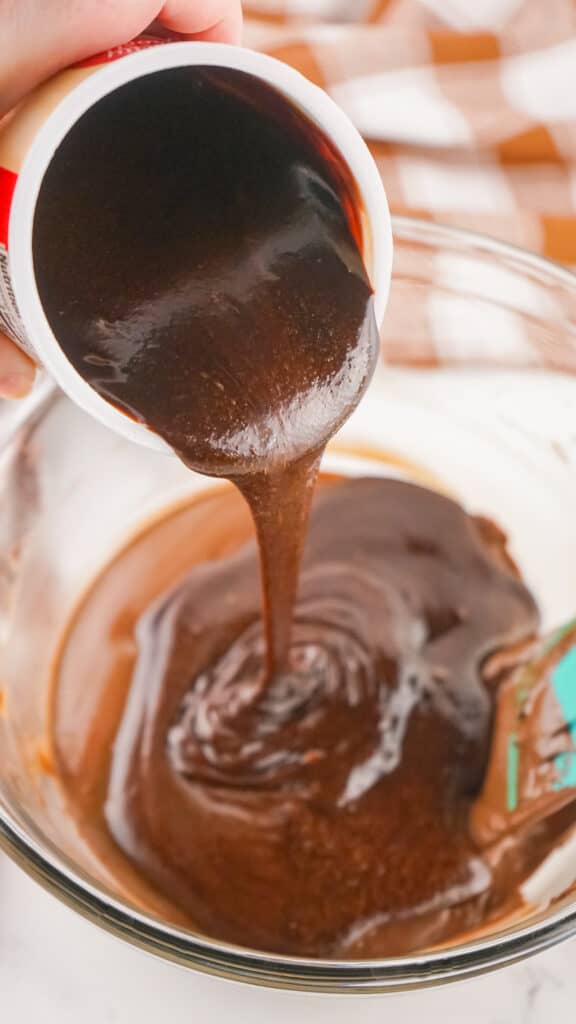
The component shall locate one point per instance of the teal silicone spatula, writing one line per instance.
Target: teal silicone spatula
(532, 767)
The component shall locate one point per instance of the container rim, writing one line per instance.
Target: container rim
(312, 101)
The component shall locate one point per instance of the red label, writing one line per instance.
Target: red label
(117, 52)
(7, 186)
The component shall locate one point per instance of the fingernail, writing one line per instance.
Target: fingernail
(16, 385)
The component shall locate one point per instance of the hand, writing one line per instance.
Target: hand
(40, 37)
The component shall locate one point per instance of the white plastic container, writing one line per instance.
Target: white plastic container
(36, 129)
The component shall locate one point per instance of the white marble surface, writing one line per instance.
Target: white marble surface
(55, 967)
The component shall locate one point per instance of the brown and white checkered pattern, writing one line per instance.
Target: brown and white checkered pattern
(469, 109)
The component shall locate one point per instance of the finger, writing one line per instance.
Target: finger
(210, 20)
(17, 372)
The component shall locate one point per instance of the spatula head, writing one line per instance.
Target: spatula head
(532, 766)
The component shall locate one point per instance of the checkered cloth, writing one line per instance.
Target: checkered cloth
(469, 107)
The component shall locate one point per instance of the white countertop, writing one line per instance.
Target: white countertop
(55, 967)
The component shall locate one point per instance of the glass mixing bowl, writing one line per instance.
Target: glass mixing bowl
(477, 397)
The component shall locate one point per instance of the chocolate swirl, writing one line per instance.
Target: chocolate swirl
(302, 813)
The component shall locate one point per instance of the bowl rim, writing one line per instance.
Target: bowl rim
(57, 874)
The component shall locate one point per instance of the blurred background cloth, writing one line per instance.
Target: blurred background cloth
(469, 106)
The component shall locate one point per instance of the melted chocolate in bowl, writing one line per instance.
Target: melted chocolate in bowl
(298, 780)
(325, 812)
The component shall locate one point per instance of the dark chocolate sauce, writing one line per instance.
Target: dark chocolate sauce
(197, 256)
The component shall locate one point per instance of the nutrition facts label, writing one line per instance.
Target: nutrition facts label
(10, 320)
